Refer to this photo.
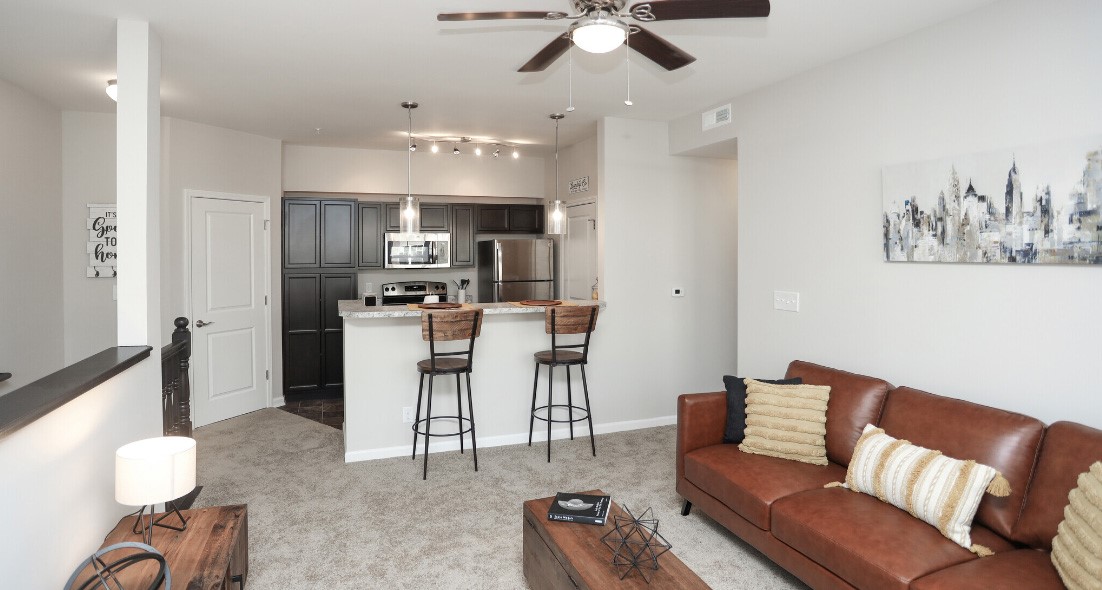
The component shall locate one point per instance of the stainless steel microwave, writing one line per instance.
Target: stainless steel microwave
(418, 250)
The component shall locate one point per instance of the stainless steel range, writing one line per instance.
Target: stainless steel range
(413, 291)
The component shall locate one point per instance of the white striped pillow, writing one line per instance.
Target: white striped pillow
(936, 489)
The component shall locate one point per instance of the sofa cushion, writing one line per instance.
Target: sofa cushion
(1077, 548)
(1068, 449)
(1023, 568)
(749, 484)
(786, 421)
(941, 491)
(855, 400)
(1004, 440)
(870, 544)
(733, 433)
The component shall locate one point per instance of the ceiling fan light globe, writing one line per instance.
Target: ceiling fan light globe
(599, 36)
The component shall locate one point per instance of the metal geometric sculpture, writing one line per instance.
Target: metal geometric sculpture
(635, 543)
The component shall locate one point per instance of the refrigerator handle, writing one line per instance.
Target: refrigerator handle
(497, 262)
(497, 292)
(551, 261)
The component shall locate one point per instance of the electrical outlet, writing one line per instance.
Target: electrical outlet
(786, 300)
(677, 292)
(407, 415)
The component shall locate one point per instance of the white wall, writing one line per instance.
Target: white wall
(31, 303)
(348, 170)
(59, 477)
(664, 221)
(88, 176)
(811, 150)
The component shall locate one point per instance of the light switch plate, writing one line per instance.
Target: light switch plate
(786, 300)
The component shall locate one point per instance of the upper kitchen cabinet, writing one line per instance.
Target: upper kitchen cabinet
(319, 233)
(338, 234)
(371, 235)
(433, 218)
(524, 219)
(463, 253)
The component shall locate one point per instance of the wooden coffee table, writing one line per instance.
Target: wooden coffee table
(563, 555)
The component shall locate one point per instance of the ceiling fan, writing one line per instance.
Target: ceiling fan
(599, 26)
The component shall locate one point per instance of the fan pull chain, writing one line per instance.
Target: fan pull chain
(627, 61)
(570, 77)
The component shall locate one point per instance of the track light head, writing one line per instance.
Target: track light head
(497, 152)
(434, 148)
(516, 154)
(455, 150)
(412, 147)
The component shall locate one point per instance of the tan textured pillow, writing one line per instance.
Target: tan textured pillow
(935, 489)
(1077, 548)
(786, 421)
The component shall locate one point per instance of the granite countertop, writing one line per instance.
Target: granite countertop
(356, 309)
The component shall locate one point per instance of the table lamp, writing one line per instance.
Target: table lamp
(152, 471)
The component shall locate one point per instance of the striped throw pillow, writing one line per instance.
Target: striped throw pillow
(936, 489)
(786, 421)
(1077, 548)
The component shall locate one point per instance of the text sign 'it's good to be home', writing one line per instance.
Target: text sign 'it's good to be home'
(103, 241)
(579, 185)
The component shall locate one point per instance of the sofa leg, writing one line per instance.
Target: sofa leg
(686, 508)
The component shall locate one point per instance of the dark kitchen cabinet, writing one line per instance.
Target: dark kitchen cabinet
(463, 235)
(313, 333)
(319, 233)
(525, 219)
(433, 217)
(371, 235)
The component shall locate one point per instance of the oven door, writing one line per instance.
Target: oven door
(418, 250)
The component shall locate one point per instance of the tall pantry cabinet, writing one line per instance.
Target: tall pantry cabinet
(319, 268)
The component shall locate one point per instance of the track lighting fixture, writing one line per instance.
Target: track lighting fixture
(455, 149)
(492, 145)
(434, 148)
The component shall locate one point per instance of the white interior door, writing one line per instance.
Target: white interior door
(229, 253)
(581, 251)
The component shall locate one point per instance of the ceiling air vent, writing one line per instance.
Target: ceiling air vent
(715, 117)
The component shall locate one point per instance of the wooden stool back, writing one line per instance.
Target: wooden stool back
(570, 319)
(451, 325)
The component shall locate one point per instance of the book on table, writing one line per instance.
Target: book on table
(581, 508)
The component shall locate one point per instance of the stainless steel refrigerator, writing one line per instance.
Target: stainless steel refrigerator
(515, 270)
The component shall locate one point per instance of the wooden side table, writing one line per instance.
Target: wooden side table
(212, 554)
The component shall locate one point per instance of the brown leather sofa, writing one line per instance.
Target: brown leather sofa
(835, 538)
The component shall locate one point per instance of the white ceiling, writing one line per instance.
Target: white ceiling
(281, 68)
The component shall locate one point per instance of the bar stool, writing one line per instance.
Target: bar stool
(558, 321)
(442, 327)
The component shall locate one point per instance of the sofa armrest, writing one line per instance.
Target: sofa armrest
(701, 420)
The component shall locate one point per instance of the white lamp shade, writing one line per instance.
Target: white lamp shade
(154, 470)
(599, 36)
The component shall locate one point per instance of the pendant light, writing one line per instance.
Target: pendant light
(409, 205)
(557, 218)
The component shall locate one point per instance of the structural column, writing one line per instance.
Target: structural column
(138, 157)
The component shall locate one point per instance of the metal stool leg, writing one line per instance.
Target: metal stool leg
(428, 429)
(588, 412)
(417, 416)
(470, 410)
(570, 402)
(532, 417)
(550, 395)
(459, 405)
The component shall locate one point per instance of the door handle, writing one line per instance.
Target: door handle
(201, 323)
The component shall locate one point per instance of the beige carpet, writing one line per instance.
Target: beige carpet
(316, 522)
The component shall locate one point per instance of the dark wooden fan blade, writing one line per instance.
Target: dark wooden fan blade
(691, 9)
(658, 50)
(504, 15)
(547, 55)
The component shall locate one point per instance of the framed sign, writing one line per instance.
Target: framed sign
(103, 241)
(579, 185)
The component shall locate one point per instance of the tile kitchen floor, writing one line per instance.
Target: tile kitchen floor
(326, 411)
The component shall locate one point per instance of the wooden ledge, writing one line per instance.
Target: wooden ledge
(34, 400)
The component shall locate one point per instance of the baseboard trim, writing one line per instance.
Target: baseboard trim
(278, 402)
(444, 446)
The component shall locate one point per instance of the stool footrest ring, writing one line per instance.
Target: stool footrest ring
(464, 420)
(585, 413)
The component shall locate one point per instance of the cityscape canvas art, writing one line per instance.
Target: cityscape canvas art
(1031, 205)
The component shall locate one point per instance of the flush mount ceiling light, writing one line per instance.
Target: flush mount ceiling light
(113, 89)
(600, 34)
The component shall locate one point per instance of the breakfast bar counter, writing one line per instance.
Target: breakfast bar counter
(382, 346)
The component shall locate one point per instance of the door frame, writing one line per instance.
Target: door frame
(189, 197)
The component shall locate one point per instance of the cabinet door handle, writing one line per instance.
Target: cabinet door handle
(201, 323)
